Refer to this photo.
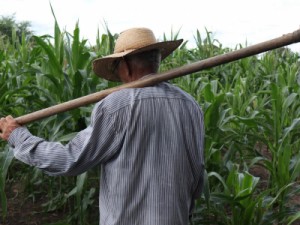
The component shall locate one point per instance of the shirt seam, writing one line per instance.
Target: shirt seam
(147, 98)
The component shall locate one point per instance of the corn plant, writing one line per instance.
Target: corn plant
(251, 115)
(6, 158)
(40, 73)
(245, 104)
(237, 203)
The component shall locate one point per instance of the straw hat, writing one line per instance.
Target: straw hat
(130, 42)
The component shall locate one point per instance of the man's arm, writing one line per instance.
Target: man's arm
(93, 145)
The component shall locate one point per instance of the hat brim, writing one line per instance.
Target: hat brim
(103, 67)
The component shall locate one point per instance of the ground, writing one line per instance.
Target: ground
(23, 211)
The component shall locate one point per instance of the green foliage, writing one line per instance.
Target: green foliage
(40, 73)
(6, 158)
(251, 114)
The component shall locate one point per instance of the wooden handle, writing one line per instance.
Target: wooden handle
(284, 40)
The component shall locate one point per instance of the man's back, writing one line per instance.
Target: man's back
(157, 171)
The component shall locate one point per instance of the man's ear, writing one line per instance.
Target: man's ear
(124, 71)
(128, 70)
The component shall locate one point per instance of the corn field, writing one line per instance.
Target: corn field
(252, 119)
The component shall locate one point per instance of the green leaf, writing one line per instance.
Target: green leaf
(75, 48)
(293, 218)
(220, 178)
(77, 85)
(296, 168)
(212, 113)
(67, 137)
(6, 158)
(207, 93)
(53, 62)
(295, 125)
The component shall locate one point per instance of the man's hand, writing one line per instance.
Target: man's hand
(7, 125)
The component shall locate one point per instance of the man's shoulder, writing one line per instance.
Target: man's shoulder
(116, 100)
(128, 96)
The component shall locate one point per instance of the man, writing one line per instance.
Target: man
(149, 141)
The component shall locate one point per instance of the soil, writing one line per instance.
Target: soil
(23, 211)
(259, 170)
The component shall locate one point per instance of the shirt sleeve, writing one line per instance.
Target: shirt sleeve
(96, 144)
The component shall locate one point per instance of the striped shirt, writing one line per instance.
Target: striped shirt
(149, 142)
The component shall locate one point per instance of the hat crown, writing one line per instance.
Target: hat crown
(134, 38)
(129, 42)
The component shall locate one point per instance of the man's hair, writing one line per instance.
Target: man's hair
(149, 59)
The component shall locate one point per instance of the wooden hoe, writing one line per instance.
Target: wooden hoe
(284, 40)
